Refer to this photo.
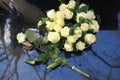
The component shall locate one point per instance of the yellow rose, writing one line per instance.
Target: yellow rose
(77, 36)
(78, 32)
(71, 4)
(60, 22)
(60, 14)
(51, 14)
(68, 14)
(50, 25)
(39, 23)
(80, 45)
(82, 14)
(21, 37)
(90, 15)
(53, 37)
(90, 38)
(95, 26)
(71, 39)
(68, 47)
(84, 27)
(57, 28)
(82, 5)
(65, 31)
(62, 7)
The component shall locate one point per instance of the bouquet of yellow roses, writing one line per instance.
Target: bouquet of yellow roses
(71, 28)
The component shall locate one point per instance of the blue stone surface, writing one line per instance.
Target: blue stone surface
(101, 62)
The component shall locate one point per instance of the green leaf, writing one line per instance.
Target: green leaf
(72, 28)
(58, 60)
(54, 53)
(47, 47)
(30, 61)
(30, 35)
(39, 40)
(87, 21)
(57, 51)
(43, 58)
(52, 50)
(56, 63)
(77, 5)
(53, 65)
(75, 25)
(98, 18)
(64, 61)
(55, 45)
(90, 31)
(36, 45)
(72, 10)
(81, 19)
(28, 48)
(44, 20)
(83, 9)
(45, 40)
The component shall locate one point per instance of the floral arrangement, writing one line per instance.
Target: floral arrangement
(72, 27)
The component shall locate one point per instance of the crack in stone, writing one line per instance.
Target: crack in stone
(109, 74)
(4, 73)
(95, 77)
(4, 58)
(112, 66)
(15, 69)
(35, 68)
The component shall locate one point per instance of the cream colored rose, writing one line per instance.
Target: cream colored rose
(53, 37)
(84, 27)
(39, 23)
(65, 31)
(68, 47)
(90, 38)
(62, 7)
(94, 26)
(71, 4)
(68, 14)
(90, 15)
(50, 25)
(60, 14)
(78, 32)
(82, 14)
(51, 14)
(60, 22)
(80, 45)
(71, 39)
(81, 5)
(77, 36)
(21, 37)
(57, 28)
